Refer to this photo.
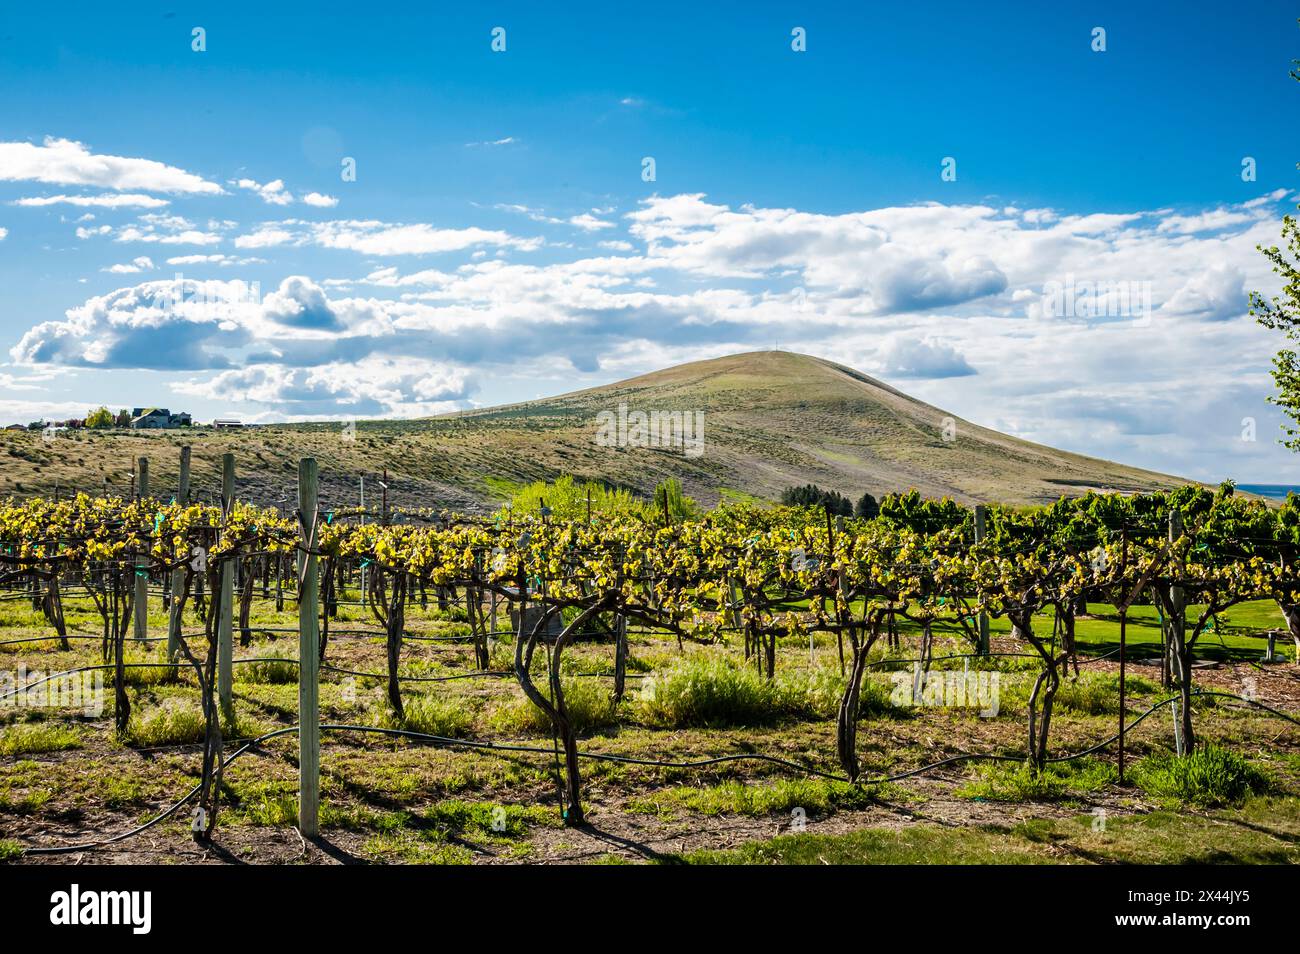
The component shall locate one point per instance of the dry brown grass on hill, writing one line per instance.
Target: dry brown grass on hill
(772, 419)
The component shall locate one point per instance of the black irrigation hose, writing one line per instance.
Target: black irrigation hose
(625, 760)
(383, 675)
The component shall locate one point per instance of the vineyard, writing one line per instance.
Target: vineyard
(429, 686)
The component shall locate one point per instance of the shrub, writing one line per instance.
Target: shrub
(705, 692)
(32, 737)
(276, 667)
(1209, 776)
(171, 724)
(587, 700)
(432, 716)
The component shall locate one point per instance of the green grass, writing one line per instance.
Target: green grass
(9, 850)
(916, 845)
(1018, 782)
(819, 796)
(433, 716)
(274, 667)
(29, 738)
(588, 702)
(1098, 693)
(707, 691)
(171, 724)
(1209, 777)
(1262, 831)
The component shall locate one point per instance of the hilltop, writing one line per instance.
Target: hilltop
(772, 419)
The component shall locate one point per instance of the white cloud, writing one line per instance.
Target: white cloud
(3, 233)
(507, 141)
(906, 357)
(588, 222)
(214, 259)
(272, 193)
(947, 300)
(166, 230)
(141, 264)
(320, 200)
(106, 201)
(370, 387)
(379, 238)
(64, 162)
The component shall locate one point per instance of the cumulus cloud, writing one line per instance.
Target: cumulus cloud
(1216, 294)
(298, 303)
(949, 299)
(914, 358)
(371, 387)
(64, 162)
(320, 200)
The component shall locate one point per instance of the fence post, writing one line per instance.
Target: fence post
(178, 574)
(1174, 636)
(981, 516)
(308, 656)
(226, 604)
(140, 609)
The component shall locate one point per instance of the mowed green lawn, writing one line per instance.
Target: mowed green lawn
(1237, 634)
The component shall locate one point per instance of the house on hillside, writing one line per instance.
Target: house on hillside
(152, 418)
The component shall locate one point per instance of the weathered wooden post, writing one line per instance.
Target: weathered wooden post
(140, 609)
(178, 574)
(981, 518)
(308, 656)
(1174, 641)
(1123, 650)
(226, 601)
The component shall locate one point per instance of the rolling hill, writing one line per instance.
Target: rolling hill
(772, 419)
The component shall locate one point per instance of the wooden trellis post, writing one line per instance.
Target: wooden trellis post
(178, 574)
(308, 656)
(1174, 636)
(140, 610)
(226, 603)
(981, 516)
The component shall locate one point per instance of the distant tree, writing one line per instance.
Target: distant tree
(100, 418)
(680, 506)
(123, 418)
(810, 495)
(867, 508)
(36, 426)
(1282, 313)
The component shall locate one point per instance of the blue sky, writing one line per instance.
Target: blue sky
(500, 242)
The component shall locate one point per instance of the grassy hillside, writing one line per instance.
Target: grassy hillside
(772, 419)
